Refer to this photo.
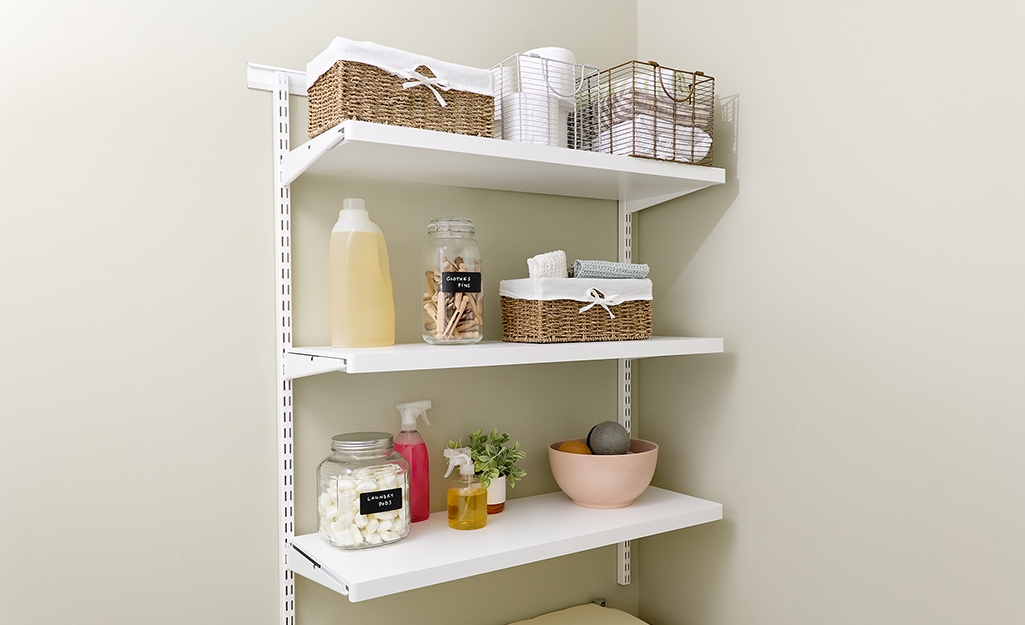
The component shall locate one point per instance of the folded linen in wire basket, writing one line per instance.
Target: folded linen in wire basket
(657, 138)
(608, 269)
(653, 101)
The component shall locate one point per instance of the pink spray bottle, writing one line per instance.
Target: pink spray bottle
(411, 445)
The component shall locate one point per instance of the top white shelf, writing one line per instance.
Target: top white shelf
(377, 151)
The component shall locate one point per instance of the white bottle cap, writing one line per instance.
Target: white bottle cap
(354, 203)
(459, 457)
(410, 411)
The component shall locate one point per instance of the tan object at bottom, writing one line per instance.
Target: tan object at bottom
(587, 614)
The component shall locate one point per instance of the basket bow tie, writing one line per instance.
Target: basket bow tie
(431, 83)
(596, 297)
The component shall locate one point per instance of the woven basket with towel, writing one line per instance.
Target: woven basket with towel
(373, 83)
(565, 310)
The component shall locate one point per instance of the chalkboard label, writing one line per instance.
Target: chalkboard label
(460, 282)
(380, 501)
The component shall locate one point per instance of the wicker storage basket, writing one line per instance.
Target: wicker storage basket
(574, 320)
(649, 111)
(353, 90)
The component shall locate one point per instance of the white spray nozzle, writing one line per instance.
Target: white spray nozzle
(459, 457)
(410, 411)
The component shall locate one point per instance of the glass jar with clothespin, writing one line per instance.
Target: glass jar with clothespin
(453, 297)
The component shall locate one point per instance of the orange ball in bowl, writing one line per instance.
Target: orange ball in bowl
(575, 447)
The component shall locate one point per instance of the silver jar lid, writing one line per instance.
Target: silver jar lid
(362, 441)
(450, 224)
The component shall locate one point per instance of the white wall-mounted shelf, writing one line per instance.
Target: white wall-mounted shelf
(304, 361)
(376, 151)
(530, 529)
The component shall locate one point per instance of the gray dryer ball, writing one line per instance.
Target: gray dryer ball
(608, 438)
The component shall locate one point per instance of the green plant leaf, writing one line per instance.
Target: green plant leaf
(492, 457)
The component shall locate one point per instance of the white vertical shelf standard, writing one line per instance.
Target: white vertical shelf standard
(623, 371)
(283, 283)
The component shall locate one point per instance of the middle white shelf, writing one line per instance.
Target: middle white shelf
(305, 361)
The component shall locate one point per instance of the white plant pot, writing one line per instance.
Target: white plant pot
(496, 495)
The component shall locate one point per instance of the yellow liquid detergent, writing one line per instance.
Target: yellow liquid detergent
(360, 293)
(468, 507)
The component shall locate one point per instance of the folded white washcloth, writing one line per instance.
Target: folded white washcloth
(549, 265)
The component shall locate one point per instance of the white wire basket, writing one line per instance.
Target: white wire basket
(536, 100)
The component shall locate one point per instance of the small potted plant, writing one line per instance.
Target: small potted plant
(494, 464)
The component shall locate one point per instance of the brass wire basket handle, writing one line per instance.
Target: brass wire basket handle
(687, 98)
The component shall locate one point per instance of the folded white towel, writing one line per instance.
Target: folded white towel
(549, 265)
(646, 136)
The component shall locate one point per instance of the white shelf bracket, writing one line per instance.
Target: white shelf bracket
(305, 155)
(264, 78)
(299, 365)
(623, 377)
(632, 206)
(308, 567)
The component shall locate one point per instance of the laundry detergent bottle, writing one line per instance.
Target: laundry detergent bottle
(411, 445)
(360, 300)
(467, 498)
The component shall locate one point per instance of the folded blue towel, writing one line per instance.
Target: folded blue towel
(607, 269)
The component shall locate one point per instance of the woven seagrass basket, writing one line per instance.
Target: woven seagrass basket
(560, 321)
(353, 90)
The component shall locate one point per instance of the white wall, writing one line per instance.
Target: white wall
(863, 264)
(866, 268)
(138, 468)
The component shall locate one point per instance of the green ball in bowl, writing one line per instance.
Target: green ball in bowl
(608, 438)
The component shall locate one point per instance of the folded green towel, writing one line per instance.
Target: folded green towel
(607, 269)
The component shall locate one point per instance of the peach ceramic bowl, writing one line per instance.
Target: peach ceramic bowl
(594, 481)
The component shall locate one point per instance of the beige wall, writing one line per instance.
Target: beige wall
(138, 468)
(863, 264)
(866, 268)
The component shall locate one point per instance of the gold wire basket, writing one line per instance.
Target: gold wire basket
(649, 111)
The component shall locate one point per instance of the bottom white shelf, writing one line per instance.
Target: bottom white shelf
(530, 529)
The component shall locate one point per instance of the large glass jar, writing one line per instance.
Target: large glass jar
(453, 300)
(363, 492)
